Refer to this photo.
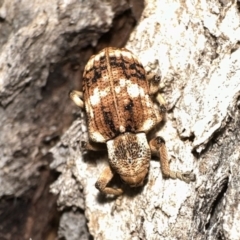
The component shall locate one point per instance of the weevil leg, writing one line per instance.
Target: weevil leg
(158, 148)
(162, 103)
(93, 146)
(153, 83)
(77, 98)
(107, 173)
(104, 179)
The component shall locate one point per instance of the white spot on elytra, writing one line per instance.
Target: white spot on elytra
(97, 57)
(117, 89)
(105, 78)
(141, 91)
(122, 82)
(148, 103)
(133, 90)
(89, 64)
(91, 113)
(127, 54)
(97, 137)
(117, 53)
(104, 93)
(122, 129)
(95, 98)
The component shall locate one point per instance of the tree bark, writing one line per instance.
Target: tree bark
(194, 46)
(43, 48)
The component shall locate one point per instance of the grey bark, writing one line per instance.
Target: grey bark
(193, 45)
(29, 49)
(43, 48)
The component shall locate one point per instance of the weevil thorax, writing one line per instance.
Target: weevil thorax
(129, 155)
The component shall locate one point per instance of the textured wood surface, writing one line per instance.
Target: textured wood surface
(194, 46)
(44, 46)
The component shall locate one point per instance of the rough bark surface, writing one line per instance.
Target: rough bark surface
(44, 46)
(194, 46)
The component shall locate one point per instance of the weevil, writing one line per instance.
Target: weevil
(119, 99)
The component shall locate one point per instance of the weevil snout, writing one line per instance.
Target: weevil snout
(136, 180)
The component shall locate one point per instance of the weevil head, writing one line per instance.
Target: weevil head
(129, 155)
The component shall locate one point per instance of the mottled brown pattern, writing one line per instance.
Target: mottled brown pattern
(133, 154)
(116, 95)
(117, 99)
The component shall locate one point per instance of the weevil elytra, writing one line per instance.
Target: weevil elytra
(118, 98)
